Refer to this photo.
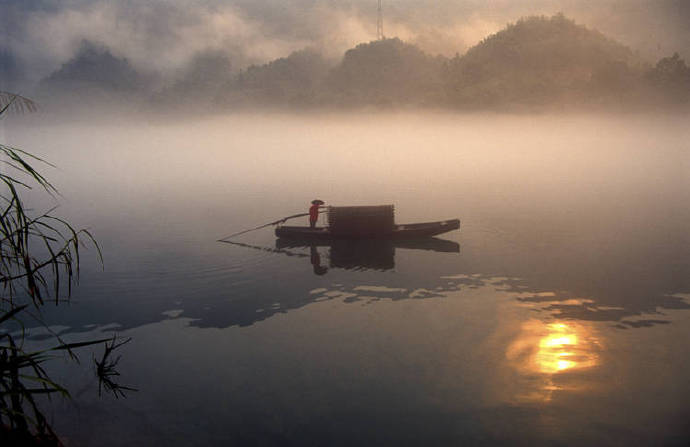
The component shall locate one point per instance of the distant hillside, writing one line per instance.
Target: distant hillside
(294, 80)
(540, 60)
(198, 83)
(537, 62)
(386, 72)
(93, 70)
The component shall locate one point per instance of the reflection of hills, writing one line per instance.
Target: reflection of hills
(636, 314)
(624, 274)
(223, 301)
(630, 286)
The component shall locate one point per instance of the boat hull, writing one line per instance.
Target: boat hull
(399, 232)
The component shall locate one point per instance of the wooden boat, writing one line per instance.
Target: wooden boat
(398, 232)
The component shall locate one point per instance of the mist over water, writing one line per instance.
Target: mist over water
(544, 320)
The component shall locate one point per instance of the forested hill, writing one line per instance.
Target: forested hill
(541, 60)
(385, 72)
(93, 70)
(535, 62)
(296, 80)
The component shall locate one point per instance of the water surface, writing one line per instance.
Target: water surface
(557, 315)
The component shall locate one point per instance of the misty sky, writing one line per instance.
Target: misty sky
(159, 35)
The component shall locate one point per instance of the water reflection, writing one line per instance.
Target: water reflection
(349, 255)
(629, 314)
(584, 226)
(547, 354)
(364, 254)
(316, 261)
(289, 276)
(367, 254)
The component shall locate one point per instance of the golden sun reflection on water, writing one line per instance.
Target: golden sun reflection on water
(544, 353)
(564, 347)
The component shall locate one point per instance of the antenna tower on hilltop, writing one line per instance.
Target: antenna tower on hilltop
(379, 24)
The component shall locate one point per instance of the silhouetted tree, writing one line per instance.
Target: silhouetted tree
(671, 79)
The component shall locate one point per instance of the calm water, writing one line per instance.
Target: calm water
(558, 315)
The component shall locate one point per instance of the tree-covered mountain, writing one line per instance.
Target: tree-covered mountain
(535, 62)
(94, 67)
(295, 80)
(386, 72)
(541, 60)
(94, 78)
(198, 83)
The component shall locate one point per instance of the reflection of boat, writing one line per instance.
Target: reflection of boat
(398, 232)
(427, 243)
(363, 254)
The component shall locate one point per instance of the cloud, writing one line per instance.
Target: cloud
(156, 34)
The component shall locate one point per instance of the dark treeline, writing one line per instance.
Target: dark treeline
(535, 62)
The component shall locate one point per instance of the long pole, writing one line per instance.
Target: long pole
(264, 226)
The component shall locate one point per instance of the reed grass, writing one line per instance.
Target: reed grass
(39, 262)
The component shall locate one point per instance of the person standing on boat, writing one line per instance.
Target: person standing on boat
(314, 212)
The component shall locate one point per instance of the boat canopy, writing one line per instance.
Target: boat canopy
(361, 220)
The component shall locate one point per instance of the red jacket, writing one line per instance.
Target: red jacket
(313, 213)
